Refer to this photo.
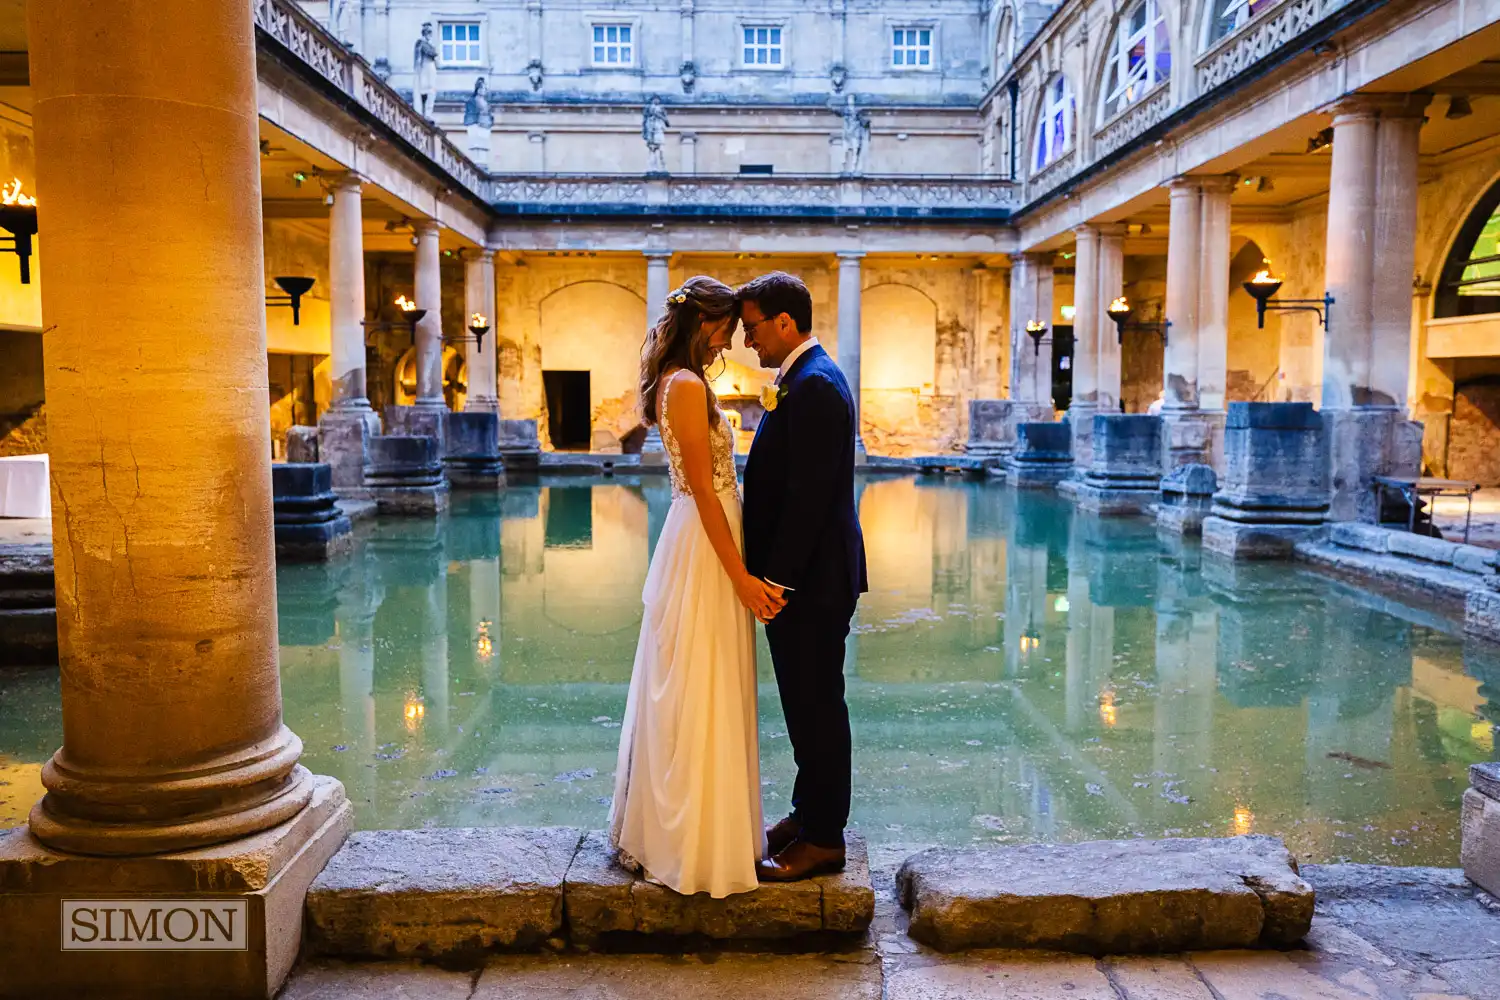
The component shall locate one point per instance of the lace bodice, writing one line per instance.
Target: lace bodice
(721, 448)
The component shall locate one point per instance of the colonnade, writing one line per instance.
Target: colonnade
(1368, 267)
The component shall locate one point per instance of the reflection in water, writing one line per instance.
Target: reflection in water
(1018, 672)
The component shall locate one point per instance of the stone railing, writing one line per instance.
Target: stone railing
(1258, 38)
(303, 39)
(1054, 173)
(818, 195)
(1134, 120)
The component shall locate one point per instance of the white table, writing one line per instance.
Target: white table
(24, 490)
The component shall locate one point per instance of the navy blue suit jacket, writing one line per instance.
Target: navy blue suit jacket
(801, 530)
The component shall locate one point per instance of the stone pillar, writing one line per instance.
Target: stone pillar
(349, 423)
(658, 287)
(1368, 271)
(428, 294)
(1275, 487)
(1086, 318)
(851, 291)
(1111, 284)
(1031, 299)
(479, 296)
(159, 435)
(1213, 299)
(1183, 251)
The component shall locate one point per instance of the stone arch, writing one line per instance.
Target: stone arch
(1449, 264)
(597, 327)
(1041, 103)
(455, 378)
(898, 338)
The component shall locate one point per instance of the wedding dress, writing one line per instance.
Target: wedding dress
(687, 789)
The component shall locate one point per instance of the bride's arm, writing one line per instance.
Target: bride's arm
(687, 412)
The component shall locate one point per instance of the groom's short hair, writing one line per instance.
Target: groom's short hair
(778, 292)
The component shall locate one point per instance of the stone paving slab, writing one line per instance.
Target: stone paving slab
(604, 901)
(1108, 897)
(327, 979)
(441, 892)
(690, 977)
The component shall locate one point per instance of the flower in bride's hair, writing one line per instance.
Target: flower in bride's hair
(680, 298)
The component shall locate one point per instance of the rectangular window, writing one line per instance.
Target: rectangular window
(762, 46)
(614, 45)
(459, 43)
(911, 48)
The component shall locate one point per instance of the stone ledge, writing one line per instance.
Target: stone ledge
(1421, 577)
(1108, 897)
(456, 893)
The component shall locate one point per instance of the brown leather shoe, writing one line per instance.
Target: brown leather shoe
(780, 836)
(799, 861)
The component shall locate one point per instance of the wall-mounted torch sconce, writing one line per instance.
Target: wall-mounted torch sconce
(1036, 330)
(408, 315)
(479, 326)
(1120, 311)
(1263, 288)
(295, 288)
(18, 217)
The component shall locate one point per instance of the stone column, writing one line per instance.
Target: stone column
(1111, 284)
(428, 294)
(1213, 300)
(1031, 299)
(851, 290)
(1368, 271)
(658, 287)
(479, 297)
(350, 422)
(159, 436)
(1183, 251)
(1086, 318)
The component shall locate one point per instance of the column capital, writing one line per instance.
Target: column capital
(1220, 183)
(1183, 185)
(1357, 106)
(426, 227)
(849, 256)
(483, 254)
(656, 255)
(1034, 258)
(1112, 229)
(346, 180)
(1086, 230)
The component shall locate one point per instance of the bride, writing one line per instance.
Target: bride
(687, 789)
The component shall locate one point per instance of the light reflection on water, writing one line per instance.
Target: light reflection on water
(1017, 673)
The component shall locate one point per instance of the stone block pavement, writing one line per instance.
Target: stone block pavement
(1379, 934)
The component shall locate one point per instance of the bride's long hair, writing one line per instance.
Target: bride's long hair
(677, 341)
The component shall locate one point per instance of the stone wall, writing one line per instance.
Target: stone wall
(1474, 430)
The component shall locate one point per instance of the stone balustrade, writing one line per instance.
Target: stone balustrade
(959, 197)
(296, 35)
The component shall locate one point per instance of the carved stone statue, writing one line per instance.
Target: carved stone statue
(424, 66)
(477, 107)
(856, 133)
(836, 76)
(654, 131)
(534, 73)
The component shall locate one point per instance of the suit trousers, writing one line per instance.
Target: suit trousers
(807, 650)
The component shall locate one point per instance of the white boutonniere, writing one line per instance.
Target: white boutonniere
(770, 396)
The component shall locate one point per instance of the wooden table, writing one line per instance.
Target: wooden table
(1412, 490)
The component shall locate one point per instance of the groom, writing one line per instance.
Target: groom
(802, 535)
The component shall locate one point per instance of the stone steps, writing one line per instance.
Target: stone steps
(461, 893)
(1108, 897)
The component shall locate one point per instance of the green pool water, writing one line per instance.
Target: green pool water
(1018, 672)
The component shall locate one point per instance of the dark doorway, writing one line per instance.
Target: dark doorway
(569, 420)
(1062, 367)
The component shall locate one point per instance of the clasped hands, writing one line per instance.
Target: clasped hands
(765, 600)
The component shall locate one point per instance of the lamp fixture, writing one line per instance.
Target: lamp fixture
(1322, 140)
(1036, 330)
(406, 310)
(479, 326)
(1264, 285)
(18, 217)
(1458, 107)
(294, 288)
(1120, 310)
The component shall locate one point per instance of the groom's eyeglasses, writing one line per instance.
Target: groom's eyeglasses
(750, 328)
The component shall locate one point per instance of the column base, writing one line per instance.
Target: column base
(1081, 420)
(993, 424)
(1362, 443)
(1480, 850)
(1241, 540)
(1192, 437)
(342, 437)
(261, 880)
(419, 421)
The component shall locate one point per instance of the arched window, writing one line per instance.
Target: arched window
(1054, 126)
(1005, 42)
(1470, 283)
(1140, 58)
(1226, 16)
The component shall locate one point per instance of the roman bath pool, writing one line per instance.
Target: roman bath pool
(1018, 672)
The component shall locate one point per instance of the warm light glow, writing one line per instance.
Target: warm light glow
(1035, 326)
(405, 304)
(478, 319)
(1068, 312)
(1030, 642)
(485, 646)
(1264, 276)
(1119, 305)
(1061, 605)
(1244, 821)
(11, 194)
(1108, 714)
(413, 712)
